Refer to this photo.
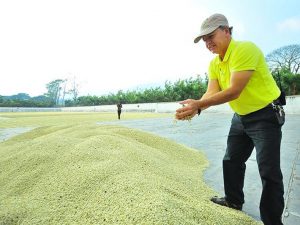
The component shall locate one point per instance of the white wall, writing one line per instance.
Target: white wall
(28, 109)
(292, 104)
(165, 107)
(292, 107)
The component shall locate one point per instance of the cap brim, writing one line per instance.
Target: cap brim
(197, 39)
(205, 32)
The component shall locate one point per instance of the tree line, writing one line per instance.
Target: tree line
(284, 64)
(172, 91)
(176, 91)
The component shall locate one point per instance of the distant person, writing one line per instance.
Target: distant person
(240, 76)
(119, 105)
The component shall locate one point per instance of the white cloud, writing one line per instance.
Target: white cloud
(290, 24)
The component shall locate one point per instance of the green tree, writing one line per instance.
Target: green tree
(54, 90)
(74, 90)
(284, 63)
(179, 90)
(285, 58)
(287, 81)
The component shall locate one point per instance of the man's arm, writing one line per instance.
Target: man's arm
(213, 87)
(212, 97)
(238, 82)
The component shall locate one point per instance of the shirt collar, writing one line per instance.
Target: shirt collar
(228, 51)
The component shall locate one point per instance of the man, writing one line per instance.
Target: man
(239, 75)
(119, 106)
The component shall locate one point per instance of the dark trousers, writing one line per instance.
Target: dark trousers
(262, 131)
(119, 114)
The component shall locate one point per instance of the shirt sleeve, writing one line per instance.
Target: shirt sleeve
(212, 75)
(245, 57)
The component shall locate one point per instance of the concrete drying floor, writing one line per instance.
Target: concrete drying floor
(209, 134)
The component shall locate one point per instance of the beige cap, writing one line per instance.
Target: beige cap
(210, 24)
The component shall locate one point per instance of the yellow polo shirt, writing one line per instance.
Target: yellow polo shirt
(261, 88)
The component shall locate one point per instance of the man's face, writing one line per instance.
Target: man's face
(216, 42)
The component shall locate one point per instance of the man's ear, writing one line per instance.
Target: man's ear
(227, 30)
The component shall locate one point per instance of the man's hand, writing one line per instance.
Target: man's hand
(189, 109)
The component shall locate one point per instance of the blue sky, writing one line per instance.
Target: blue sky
(111, 45)
(270, 24)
